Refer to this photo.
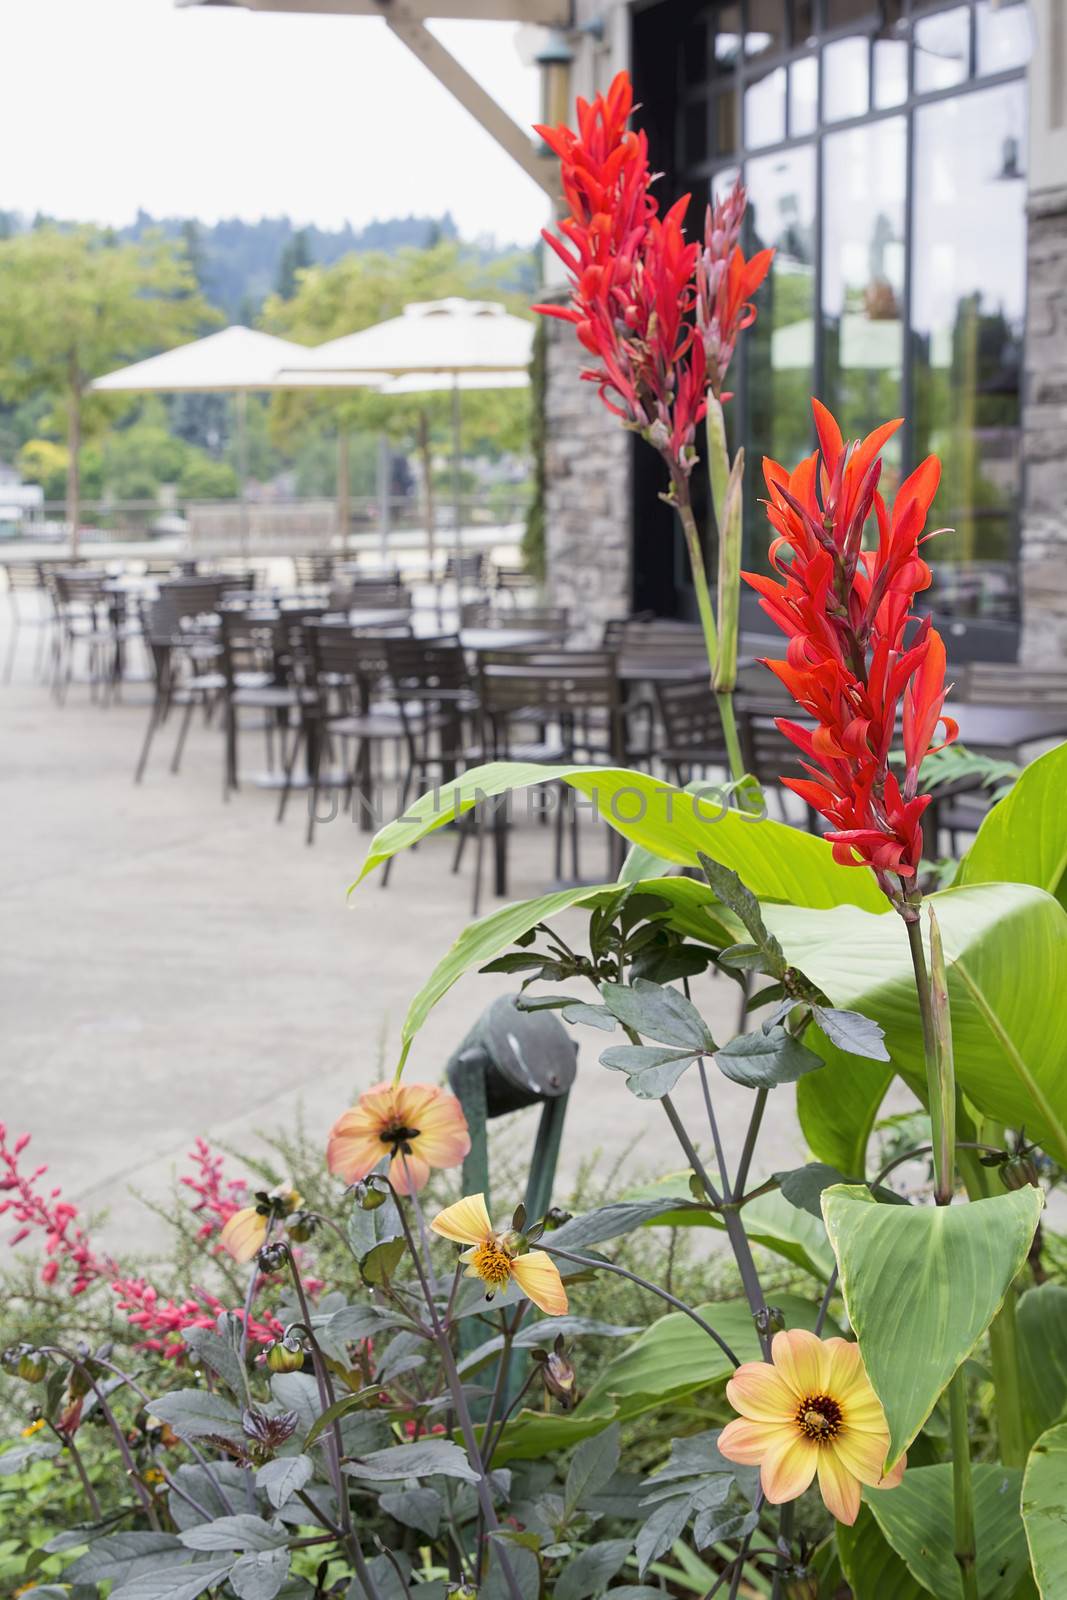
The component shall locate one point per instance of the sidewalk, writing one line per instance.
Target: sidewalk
(172, 966)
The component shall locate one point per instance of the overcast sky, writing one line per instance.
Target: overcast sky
(111, 105)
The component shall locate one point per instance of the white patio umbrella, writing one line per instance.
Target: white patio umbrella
(451, 344)
(237, 361)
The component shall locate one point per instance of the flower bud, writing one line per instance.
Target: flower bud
(555, 1217)
(272, 1257)
(32, 1366)
(769, 1320)
(368, 1196)
(300, 1226)
(285, 1355)
(559, 1378)
(802, 1584)
(461, 1591)
(1018, 1171)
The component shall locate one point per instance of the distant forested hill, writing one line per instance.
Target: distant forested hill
(240, 263)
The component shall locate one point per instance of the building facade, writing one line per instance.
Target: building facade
(907, 159)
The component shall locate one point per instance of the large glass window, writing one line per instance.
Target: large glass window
(968, 302)
(889, 174)
(864, 176)
(781, 346)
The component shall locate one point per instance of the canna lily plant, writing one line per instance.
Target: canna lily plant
(860, 975)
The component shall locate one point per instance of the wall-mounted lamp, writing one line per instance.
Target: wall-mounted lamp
(555, 58)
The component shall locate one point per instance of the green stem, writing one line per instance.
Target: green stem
(938, 1066)
(962, 1487)
(718, 458)
(943, 1153)
(700, 577)
(725, 700)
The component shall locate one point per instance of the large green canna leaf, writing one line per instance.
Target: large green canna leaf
(1044, 1496)
(872, 1566)
(1041, 1331)
(1006, 948)
(921, 1285)
(775, 861)
(837, 1107)
(1024, 837)
(916, 1520)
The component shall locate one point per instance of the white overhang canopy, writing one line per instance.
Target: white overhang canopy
(234, 361)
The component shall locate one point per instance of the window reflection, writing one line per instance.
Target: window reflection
(942, 49)
(863, 276)
(1005, 37)
(845, 74)
(967, 330)
(765, 110)
(803, 95)
(780, 349)
(890, 73)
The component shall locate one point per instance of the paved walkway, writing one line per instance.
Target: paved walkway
(173, 966)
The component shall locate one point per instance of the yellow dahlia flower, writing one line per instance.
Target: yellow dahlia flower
(810, 1409)
(496, 1258)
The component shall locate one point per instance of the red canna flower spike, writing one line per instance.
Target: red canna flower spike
(725, 285)
(856, 657)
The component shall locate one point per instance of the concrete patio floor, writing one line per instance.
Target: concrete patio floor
(172, 966)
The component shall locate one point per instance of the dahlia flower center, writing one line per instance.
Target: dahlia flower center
(819, 1418)
(492, 1263)
(399, 1138)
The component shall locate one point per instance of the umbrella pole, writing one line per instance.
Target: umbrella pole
(384, 486)
(457, 463)
(242, 463)
(344, 509)
(426, 455)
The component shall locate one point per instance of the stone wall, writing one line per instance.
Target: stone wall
(1044, 522)
(588, 506)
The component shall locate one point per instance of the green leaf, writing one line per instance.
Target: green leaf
(837, 1107)
(916, 1519)
(1043, 1511)
(591, 1571)
(1006, 950)
(119, 1556)
(659, 1531)
(425, 1458)
(196, 1414)
(775, 861)
(210, 1349)
(851, 1032)
(803, 1187)
(241, 1532)
(420, 1508)
(921, 1284)
(658, 1013)
(651, 1070)
(744, 905)
(175, 1583)
(593, 1464)
(281, 1479)
(1024, 837)
(1041, 1331)
(622, 1216)
(762, 1060)
(21, 1456)
(872, 1566)
(260, 1575)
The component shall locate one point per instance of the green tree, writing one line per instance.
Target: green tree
(360, 290)
(74, 304)
(295, 258)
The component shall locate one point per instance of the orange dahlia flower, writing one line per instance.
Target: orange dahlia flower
(497, 1258)
(418, 1125)
(810, 1409)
